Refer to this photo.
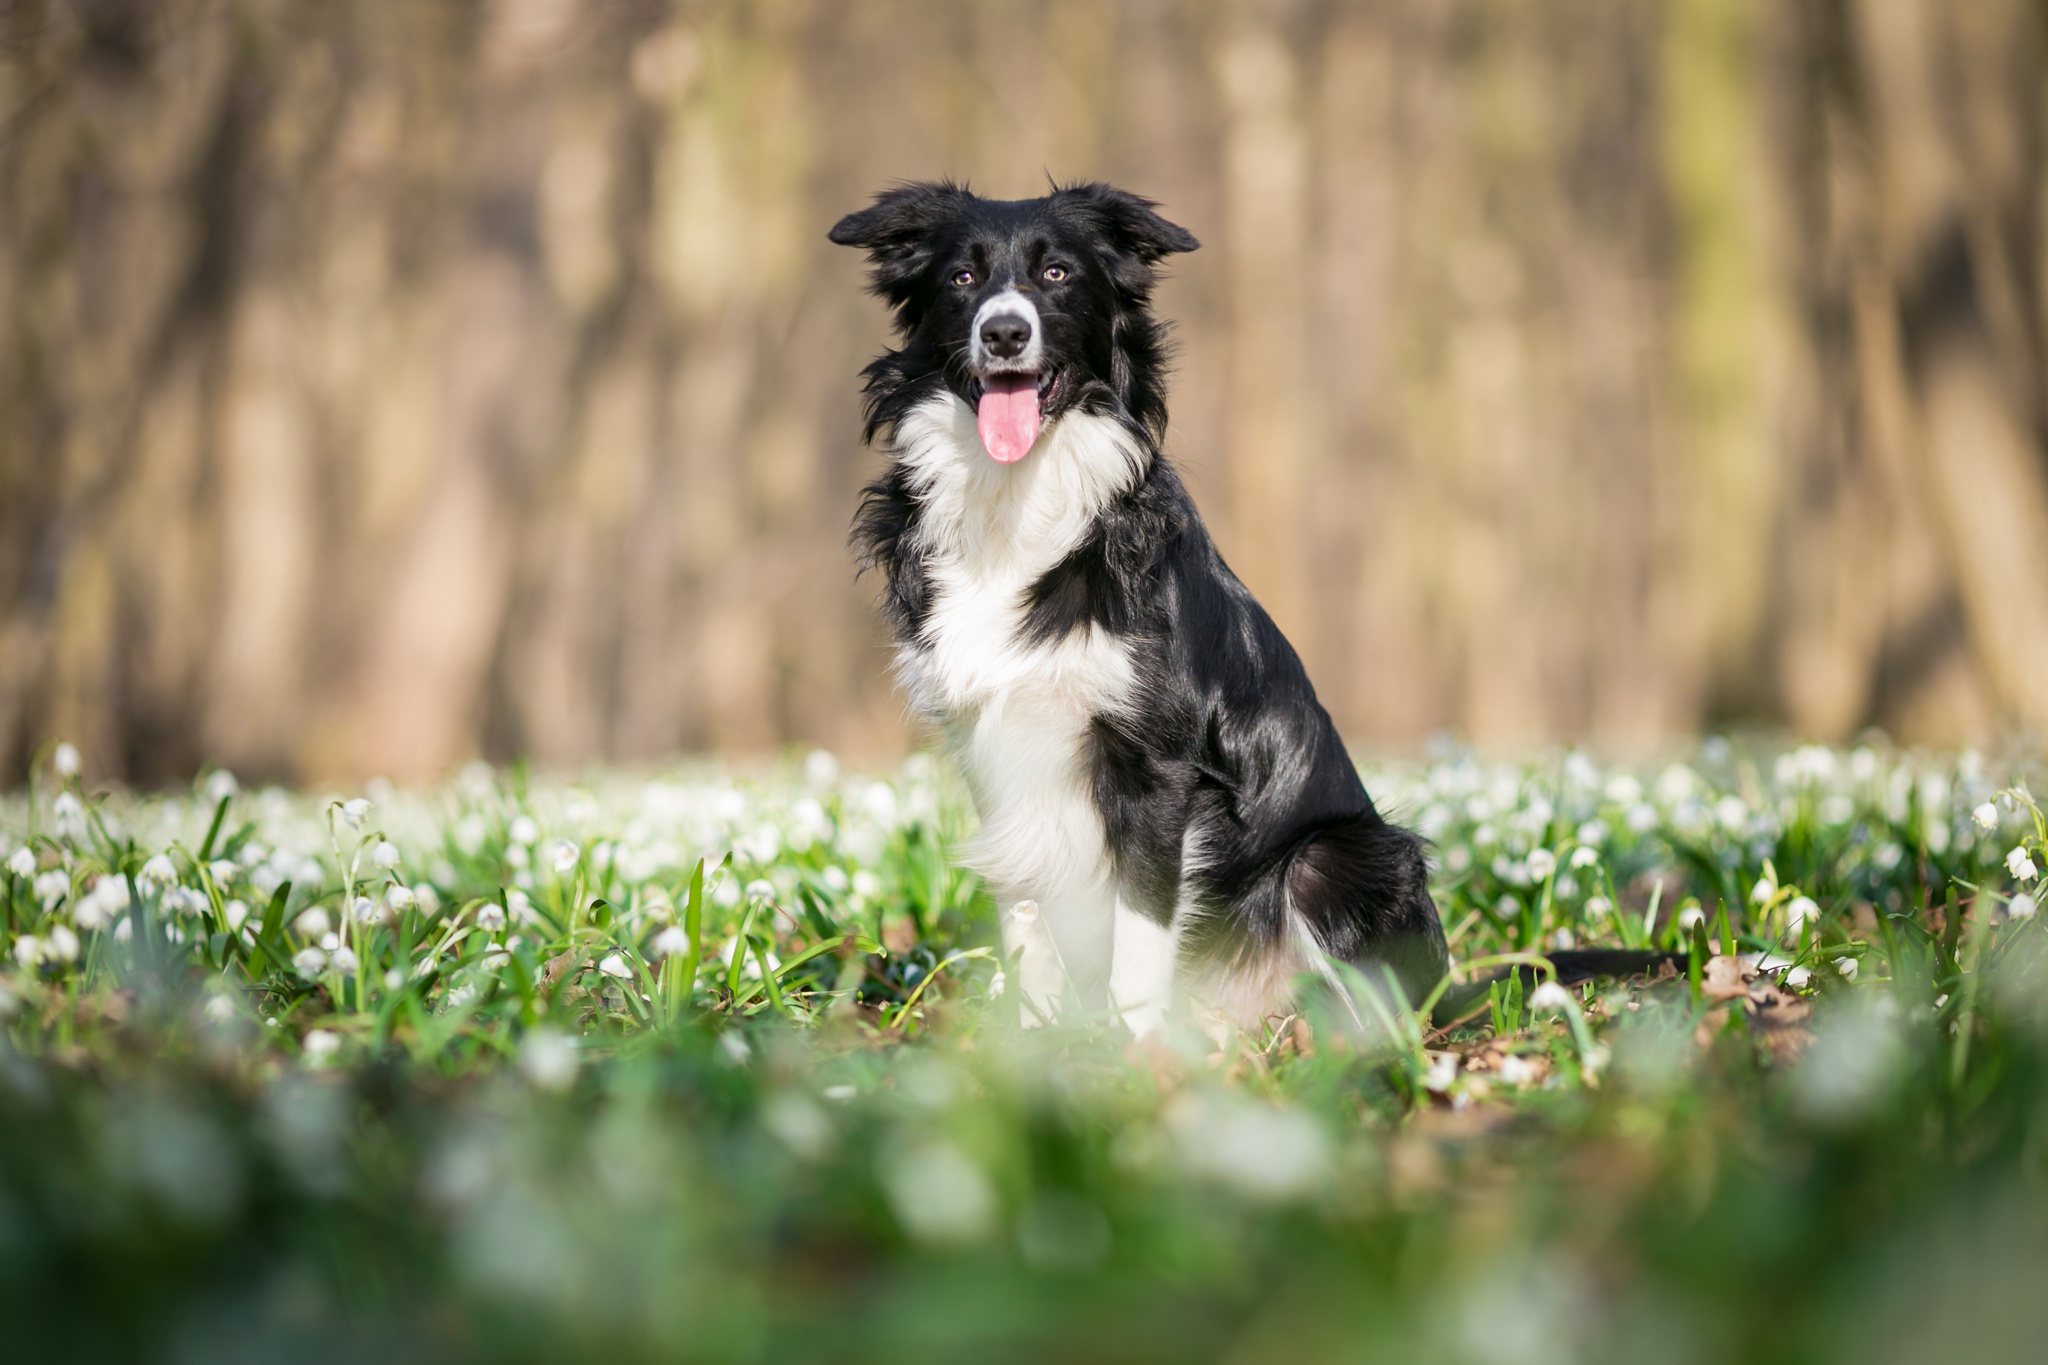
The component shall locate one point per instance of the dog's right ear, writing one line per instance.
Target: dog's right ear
(896, 231)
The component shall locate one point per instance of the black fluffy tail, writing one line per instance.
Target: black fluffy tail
(1573, 967)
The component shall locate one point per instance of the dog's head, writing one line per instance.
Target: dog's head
(1027, 309)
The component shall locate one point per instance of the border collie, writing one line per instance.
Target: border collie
(1150, 763)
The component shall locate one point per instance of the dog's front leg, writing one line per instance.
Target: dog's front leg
(1035, 964)
(1142, 965)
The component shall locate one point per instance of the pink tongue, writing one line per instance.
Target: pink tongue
(1008, 418)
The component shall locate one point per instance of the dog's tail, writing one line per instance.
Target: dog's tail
(1572, 967)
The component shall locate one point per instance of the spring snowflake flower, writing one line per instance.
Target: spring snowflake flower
(65, 760)
(1801, 910)
(55, 885)
(821, 769)
(1551, 998)
(237, 915)
(1847, 967)
(62, 944)
(1986, 816)
(1585, 856)
(157, 872)
(760, 889)
(490, 917)
(2020, 906)
(1691, 916)
(220, 1008)
(322, 1042)
(313, 923)
(670, 942)
(1542, 862)
(564, 855)
(309, 961)
(615, 965)
(22, 863)
(27, 949)
(384, 853)
(1597, 906)
(70, 814)
(1443, 1070)
(2020, 865)
(356, 812)
(549, 1059)
(220, 785)
(364, 910)
(344, 960)
(223, 869)
(400, 897)
(523, 831)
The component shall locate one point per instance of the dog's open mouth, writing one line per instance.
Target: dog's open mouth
(1008, 416)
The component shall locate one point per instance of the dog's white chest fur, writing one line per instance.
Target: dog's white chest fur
(1017, 714)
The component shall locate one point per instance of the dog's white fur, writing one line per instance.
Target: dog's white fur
(1017, 714)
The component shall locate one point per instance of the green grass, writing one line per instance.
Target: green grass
(691, 1066)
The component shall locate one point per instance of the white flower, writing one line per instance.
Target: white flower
(220, 785)
(2020, 865)
(1800, 911)
(62, 944)
(394, 979)
(2020, 906)
(364, 910)
(313, 923)
(760, 889)
(329, 942)
(1762, 892)
(670, 942)
(495, 956)
(1551, 998)
(1798, 976)
(321, 1042)
(27, 949)
(384, 853)
(839, 1094)
(1585, 856)
(65, 759)
(548, 1058)
(428, 899)
(223, 869)
(1515, 1071)
(310, 961)
(564, 855)
(55, 885)
(1443, 1070)
(490, 917)
(157, 872)
(399, 896)
(821, 769)
(521, 906)
(220, 1008)
(1691, 916)
(1542, 862)
(523, 830)
(1563, 941)
(237, 915)
(355, 812)
(1597, 906)
(344, 960)
(1847, 967)
(22, 863)
(615, 965)
(1986, 816)
(70, 813)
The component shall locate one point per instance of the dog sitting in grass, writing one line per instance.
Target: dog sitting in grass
(1158, 786)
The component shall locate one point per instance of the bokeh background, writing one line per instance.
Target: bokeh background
(384, 385)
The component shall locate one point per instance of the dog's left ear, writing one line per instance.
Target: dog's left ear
(1132, 226)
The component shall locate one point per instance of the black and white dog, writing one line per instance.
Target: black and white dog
(1150, 763)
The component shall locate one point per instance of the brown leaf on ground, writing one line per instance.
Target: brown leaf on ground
(1726, 978)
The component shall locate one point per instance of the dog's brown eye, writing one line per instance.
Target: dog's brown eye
(963, 277)
(1053, 274)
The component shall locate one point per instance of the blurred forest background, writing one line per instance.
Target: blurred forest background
(387, 384)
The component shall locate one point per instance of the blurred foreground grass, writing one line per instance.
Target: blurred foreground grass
(696, 1066)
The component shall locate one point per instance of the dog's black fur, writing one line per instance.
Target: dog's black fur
(1224, 734)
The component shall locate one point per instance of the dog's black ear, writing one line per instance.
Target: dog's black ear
(1132, 227)
(896, 231)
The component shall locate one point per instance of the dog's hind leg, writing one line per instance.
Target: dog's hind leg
(1034, 958)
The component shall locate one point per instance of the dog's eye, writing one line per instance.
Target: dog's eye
(963, 277)
(1053, 274)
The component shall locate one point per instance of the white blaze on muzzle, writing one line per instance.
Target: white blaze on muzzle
(1006, 347)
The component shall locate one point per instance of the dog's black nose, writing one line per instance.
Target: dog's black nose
(1006, 335)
